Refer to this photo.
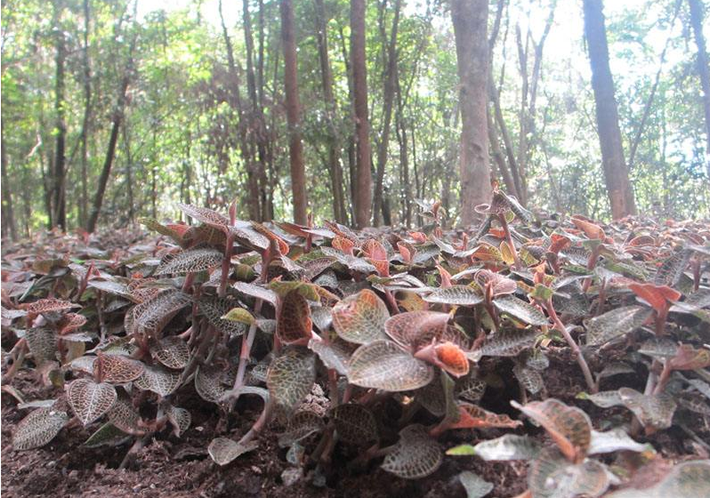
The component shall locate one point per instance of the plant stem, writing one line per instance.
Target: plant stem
(509, 240)
(573, 345)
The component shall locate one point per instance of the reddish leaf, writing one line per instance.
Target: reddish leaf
(689, 358)
(590, 229)
(657, 296)
(475, 417)
(415, 329)
(294, 324)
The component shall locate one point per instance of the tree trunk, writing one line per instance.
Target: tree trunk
(696, 19)
(616, 175)
(236, 105)
(389, 88)
(84, 206)
(59, 217)
(363, 189)
(118, 116)
(9, 223)
(293, 114)
(470, 19)
(336, 172)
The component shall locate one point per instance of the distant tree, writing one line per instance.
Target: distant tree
(293, 114)
(696, 19)
(58, 216)
(363, 188)
(470, 19)
(616, 174)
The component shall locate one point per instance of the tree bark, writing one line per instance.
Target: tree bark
(293, 114)
(84, 205)
(363, 189)
(8, 214)
(696, 19)
(336, 171)
(236, 105)
(118, 116)
(616, 174)
(59, 217)
(470, 19)
(388, 100)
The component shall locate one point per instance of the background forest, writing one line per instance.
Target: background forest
(113, 110)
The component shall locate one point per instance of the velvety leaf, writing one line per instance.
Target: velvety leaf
(603, 399)
(90, 400)
(475, 417)
(42, 343)
(355, 424)
(475, 486)
(152, 315)
(457, 295)
(569, 426)
(383, 365)
(205, 215)
(215, 308)
(508, 447)
(508, 342)
(191, 260)
(224, 451)
(416, 455)
(208, 384)
(172, 352)
(615, 323)
(291, 376)
(294, 324)
(38, 428)
(671, 270)
(416, 328)
(180, 419)
(520, 310)
(654, 411)
(256, 291)
(360, 318)
(159, 380)
(117, 369)
(335, 355)
(614, 440)
(300, 425)
(550, 475)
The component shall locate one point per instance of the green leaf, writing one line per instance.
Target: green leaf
(355, 424)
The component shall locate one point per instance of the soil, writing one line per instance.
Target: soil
(172, 467)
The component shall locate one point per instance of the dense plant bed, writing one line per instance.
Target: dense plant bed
(531, 356)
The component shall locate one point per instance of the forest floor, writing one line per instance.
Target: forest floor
(171, 468)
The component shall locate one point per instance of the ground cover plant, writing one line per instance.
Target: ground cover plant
(331, 361)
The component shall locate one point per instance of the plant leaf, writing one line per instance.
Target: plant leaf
(457, 295)
(172, 352)
(614, 440)
(615, 323)
(355, 424)
(569, 426)
(654, 411)
(550, 475)
(294, 324)
(416, 328)
(383, 365)
(90, 400)
(291, 376)
(520, 310)
(159, 380)
(475, 486)
(301, 425)
(38, 428)
(191, 260)
(360, 318)
(508, 447)
(224, 451)
(416, 455)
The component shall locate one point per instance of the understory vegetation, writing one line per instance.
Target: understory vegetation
(396, 352)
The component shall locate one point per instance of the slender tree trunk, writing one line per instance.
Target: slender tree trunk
(9, 223)
(256, 131)
(118, 116)
(59, 175)
(293, 114)
(84, 205)
(236, 105)
(470, 19)
(336, 171)
(401, 132)
(129, 173)
(696, 19)
(389, 89)
(616, 175)
(363, 189)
